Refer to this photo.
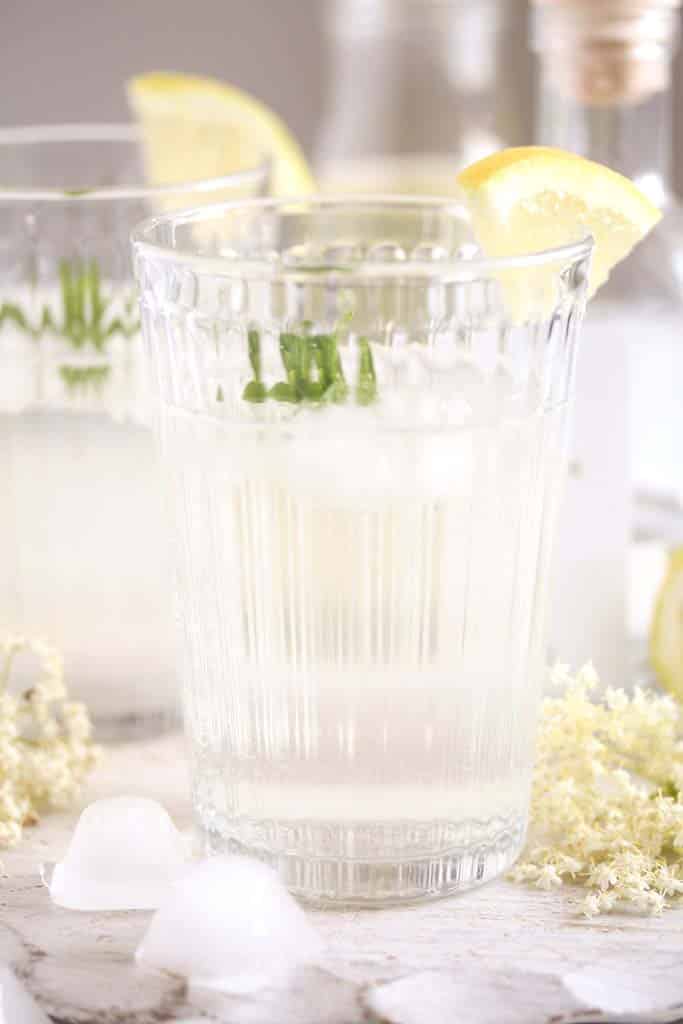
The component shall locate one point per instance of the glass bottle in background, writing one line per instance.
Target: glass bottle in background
(412, 95)
(605, 79)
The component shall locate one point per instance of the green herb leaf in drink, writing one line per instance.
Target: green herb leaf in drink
(83, 378)
(255, 391)
(313, 370)
(82, 314)
(366, 389)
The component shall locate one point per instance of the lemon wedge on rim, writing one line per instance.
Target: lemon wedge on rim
(196, 128)
(533, 198)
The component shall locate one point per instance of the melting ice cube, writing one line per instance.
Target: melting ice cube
(124, 855)
(16, 1005)
(229, 924)
(487, 996)
(621, 991)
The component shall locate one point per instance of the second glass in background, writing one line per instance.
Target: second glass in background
(82, 556)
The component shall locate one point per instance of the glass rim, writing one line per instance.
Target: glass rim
(75, 132)
(263, 268)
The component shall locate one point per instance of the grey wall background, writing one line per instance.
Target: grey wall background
(67, 60)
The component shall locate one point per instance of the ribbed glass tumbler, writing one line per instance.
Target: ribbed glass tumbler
(363, 424)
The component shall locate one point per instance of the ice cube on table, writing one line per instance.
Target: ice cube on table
(618, 990)
(230, 924)
(125, 854)
(16, 1005)
(477, 995)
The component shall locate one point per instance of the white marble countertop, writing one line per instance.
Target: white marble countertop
(496, 954)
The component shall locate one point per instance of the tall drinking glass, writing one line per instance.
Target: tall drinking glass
(81, 560)
(363, 428)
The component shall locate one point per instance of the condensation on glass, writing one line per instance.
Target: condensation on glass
(363, 426)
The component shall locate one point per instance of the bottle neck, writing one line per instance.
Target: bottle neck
(409, 95)
(605, 83)
(631, 137)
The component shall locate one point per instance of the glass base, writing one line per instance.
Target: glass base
(342, 882)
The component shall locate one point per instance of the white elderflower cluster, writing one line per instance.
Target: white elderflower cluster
(607, 802)
(46, 745)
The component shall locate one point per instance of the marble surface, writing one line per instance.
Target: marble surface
(502, 953)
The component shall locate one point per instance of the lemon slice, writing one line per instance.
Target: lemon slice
(196, 128)
(666, 634)
(534, 198)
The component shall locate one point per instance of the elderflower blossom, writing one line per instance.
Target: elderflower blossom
(46, 746)
(607, 806)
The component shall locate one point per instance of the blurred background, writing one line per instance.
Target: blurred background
(71, 65)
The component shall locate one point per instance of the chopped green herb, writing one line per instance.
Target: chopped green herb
(8, 311)
(315, 383)
(292, 355)
(313, 370)
(255, 353)
(83, 315)
(336, 388)
(255, 391)
(80, 378)
(284, 392)
(366, 390)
